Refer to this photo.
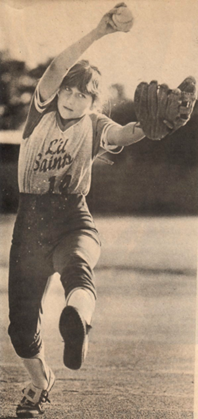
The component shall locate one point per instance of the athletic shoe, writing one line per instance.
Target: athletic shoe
(74, 331)
(31, 405)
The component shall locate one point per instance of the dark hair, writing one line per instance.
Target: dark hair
(85, 77)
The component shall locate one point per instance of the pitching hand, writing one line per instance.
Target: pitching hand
(106, 25)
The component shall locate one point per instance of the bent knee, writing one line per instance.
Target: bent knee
(80, 246)
(77, 274)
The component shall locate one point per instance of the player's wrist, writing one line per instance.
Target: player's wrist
(137, 132)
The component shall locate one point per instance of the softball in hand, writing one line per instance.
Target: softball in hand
(123, 19)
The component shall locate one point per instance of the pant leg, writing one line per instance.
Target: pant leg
(28, 276)
(51, 234)
(75, 258)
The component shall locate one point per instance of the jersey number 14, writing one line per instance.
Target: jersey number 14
(63, 187)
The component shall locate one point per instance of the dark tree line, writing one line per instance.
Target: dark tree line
(17, 83)
(158, 177)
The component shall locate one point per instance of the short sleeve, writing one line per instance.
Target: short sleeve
(37, 109)
(100, 131)
(39, 104)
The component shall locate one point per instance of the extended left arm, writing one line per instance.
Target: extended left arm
(124, 135)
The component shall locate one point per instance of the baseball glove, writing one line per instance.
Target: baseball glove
(160, 110)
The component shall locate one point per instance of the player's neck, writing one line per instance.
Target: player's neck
(64, 124)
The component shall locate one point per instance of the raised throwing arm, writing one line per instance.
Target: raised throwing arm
(54, 74)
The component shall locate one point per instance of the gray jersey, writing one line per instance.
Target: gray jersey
(58, 160)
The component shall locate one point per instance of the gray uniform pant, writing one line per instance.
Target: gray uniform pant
(52, 233)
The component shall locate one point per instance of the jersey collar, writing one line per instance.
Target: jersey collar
(65, 124)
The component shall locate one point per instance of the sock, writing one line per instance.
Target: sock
(84, 301)
(38, 370)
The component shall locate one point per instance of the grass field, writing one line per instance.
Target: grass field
(142, 346)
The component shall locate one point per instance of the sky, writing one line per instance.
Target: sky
(162, 44)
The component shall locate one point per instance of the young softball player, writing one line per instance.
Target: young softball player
(54, 230)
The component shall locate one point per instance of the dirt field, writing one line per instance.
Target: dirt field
(142, 346)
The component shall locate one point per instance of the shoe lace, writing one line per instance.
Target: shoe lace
(44, 397)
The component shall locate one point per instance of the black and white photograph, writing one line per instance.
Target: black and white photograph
(99, 209)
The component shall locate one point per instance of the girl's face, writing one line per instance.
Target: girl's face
(72, 103)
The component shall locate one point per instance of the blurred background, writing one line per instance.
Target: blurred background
(146, 178)
(145, 204)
